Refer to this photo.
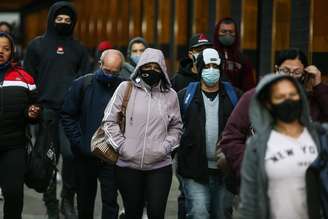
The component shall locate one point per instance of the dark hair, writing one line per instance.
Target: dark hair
(164, 85)
(7, 24)
(11, 41)
(265, 95)
(200, 63)
(290, 54)
(228, 20)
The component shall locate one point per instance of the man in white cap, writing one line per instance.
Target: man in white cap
(205, 109)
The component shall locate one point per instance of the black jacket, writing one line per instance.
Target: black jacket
(55, 60)
(192, 159)
(184, 76)
(83, 110)
(17, 93)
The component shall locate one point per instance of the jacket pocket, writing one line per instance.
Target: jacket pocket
(155, 152)
(129, 150)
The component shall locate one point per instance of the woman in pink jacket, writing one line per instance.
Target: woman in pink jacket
(152, 133)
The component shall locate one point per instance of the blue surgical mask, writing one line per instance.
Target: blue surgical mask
(135, 58)
(210, 76)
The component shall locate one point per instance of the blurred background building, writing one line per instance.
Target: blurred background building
(266, 26)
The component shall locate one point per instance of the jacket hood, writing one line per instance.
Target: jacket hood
(151, 55)
(51, 17)
(260, 117)
(136, 40)
(185, 67)
(234, 49)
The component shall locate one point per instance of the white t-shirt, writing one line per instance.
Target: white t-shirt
(286, 161)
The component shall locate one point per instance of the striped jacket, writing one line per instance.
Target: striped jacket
(17, 92)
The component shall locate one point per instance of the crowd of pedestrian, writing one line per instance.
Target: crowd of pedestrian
(239, 147)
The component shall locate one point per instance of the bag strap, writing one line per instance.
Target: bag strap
(126, 97)
(231, 91)
(189, 95)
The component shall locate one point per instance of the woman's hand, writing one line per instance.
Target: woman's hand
(33, 111)
(315, 75)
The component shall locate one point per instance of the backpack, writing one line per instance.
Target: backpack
(191, 90)
(41, 157)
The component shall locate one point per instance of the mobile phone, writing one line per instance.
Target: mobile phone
(307, 76)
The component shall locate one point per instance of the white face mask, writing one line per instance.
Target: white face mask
(210, 76)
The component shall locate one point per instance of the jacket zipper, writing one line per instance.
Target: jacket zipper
(144, 146)
(163, 116)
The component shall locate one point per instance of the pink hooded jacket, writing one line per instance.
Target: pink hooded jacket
(153, 120)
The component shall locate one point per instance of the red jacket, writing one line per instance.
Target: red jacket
(17, 93)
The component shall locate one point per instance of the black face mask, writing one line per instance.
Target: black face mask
(63, 28)
(288, 111)
(150, 77)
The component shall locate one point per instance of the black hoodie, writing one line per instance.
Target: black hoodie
(55, 60)
(184, 76)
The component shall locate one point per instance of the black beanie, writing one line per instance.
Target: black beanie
(65, 11)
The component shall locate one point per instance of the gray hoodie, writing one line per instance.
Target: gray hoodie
(153, 120)
(131, 42)
(254, 186)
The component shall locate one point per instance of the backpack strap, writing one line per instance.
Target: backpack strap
(191, 90)
(189, 95)
(231, 91)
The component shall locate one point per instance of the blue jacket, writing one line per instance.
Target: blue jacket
(83, 109)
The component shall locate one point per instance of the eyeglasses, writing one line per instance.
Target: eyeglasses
(296, 73)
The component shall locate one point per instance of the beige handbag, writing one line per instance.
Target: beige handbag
(99, 146)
